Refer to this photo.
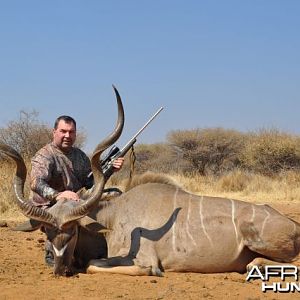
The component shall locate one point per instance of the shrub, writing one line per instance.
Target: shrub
(211, 150)
(271, 151)
(234, 181)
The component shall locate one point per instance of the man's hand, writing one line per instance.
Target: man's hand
(118, 163)
(68, 195)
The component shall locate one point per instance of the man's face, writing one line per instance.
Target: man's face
(64, 135)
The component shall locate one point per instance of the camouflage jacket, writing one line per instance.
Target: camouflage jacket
(53, 171)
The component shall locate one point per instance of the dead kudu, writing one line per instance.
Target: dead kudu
(157, 227)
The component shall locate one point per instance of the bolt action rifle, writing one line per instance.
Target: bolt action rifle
(107, 163)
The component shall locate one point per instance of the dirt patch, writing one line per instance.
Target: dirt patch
(23, 275)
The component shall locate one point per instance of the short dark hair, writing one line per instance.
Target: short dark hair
(67, 119)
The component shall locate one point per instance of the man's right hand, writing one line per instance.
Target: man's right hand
(68, 195)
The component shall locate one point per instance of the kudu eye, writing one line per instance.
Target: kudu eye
(52, 233)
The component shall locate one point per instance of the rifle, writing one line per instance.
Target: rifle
(107, 163)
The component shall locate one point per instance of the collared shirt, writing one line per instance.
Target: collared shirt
(53, 171)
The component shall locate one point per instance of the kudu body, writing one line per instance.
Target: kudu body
(158, 227)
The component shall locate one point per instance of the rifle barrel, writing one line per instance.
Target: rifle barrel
(145, 125)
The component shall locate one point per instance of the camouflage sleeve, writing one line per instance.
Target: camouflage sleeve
(41, 169)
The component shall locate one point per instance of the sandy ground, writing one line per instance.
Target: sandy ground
(23, 275)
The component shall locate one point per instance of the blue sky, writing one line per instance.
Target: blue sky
(230, 64)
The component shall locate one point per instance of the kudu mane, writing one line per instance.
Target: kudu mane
(150, 177)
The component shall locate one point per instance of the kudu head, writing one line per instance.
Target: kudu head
(60, 222)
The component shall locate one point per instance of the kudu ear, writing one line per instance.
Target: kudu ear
(27, 226)
(92, 225)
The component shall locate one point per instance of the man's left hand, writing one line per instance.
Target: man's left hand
(118, 163)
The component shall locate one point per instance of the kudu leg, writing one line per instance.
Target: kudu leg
(277, 241)
(125, 270)
(261, 263)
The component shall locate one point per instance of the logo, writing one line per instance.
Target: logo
(276, 271)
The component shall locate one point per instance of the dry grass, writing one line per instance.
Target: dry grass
(8, 210)
(246, 186)
(236, 185)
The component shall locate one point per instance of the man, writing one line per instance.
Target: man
(59, 170)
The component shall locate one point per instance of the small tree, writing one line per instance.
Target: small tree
(271, 151)
(211, 150)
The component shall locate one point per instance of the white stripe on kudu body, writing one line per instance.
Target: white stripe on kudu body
(202, 222)
(188, 222)
(253, 213)
(233, 220)
(174, 224)
(264, 222)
